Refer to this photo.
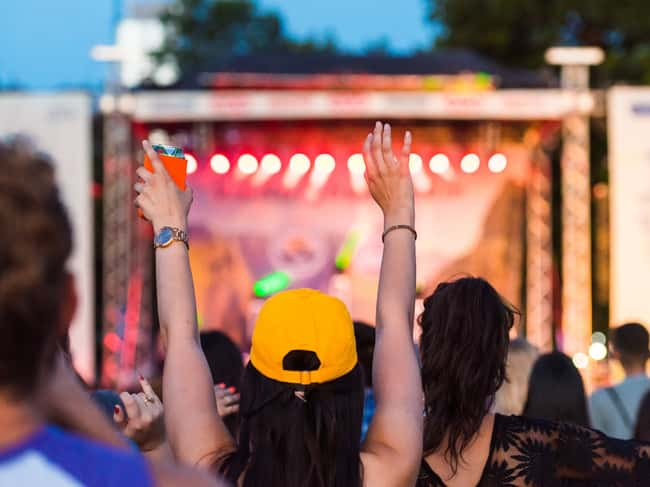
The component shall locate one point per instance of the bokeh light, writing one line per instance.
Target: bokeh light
(247, 164)
(192, 164)
(470, 163)
(497, 163)
(356, 165)
(439, 164)
(220, 164)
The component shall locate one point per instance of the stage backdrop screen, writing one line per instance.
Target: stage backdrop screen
(327, 235)
(60, 125)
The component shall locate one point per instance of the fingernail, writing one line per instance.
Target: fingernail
(116, 409)
(232, 390)
(141, 377)
(222, 385)
(387, 127)
(377, 125)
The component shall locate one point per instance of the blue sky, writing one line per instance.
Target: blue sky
(45, 44)
(356, 23)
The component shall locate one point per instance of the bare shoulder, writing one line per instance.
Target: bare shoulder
(168, 475)
(380, 470)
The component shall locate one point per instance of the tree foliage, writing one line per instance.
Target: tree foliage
(200, 32)
(517, 32)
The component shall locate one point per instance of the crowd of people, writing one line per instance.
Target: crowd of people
(322, 401)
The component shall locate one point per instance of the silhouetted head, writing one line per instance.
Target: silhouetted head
(556, 391)
(301, 397)
(630, 344)
(463, 347)
(37, 297)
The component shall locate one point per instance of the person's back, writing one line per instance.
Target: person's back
(642, 429)
(535, 452)
(302, 393)
(465, 444)
(56, 458)
(614, 409)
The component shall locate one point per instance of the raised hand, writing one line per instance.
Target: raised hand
(143, 420)
(388, 176)
(160, 200)
(227, 400)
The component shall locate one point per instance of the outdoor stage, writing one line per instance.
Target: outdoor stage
(280, 201)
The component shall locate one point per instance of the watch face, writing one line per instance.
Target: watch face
(164, 236)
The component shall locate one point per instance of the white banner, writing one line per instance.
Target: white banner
(629, 166)
(161, 106)
(60, 125)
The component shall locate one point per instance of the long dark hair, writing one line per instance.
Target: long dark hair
(556, 391)
(292, 436)
(463, 348)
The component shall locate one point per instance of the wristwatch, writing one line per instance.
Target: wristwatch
(168, 235)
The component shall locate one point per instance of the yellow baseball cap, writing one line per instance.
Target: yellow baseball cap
(303, 337)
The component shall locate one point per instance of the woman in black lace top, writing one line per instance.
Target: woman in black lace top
(465, 326)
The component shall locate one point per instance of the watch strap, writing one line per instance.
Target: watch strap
(178, 235)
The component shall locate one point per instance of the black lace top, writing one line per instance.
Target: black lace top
(535, 453)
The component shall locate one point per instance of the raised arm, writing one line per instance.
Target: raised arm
(195, 431)
(393, 447)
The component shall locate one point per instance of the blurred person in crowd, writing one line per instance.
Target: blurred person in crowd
(302, 391)
(556, 391)
(38, 388)
(463, 350)
(223, 357)
(364, 335)
(614, 409)
(642, 429)
(226, 368)
(511, 396)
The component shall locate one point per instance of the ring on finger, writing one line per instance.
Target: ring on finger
(149, 400)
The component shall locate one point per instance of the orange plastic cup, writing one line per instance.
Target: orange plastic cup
(175, 166)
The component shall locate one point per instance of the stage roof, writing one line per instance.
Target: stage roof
(443, 62)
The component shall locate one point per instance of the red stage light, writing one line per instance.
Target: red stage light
(356, 164)
(220, 164)
(247, 164)
(498, 163)
(271, 164)
(470, 163)
(192, 164)
(439, 164)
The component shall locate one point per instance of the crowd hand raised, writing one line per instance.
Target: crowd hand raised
(227, 400)
(160, 200)
(388, 176)
(143, 420)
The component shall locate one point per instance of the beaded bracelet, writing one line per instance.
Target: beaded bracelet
(399, 227)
